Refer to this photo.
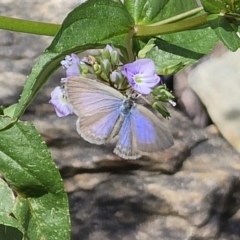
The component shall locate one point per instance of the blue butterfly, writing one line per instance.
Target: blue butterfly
(106, 116)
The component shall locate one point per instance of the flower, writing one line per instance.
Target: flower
(60, 103)
(141, 75)
(71, 64)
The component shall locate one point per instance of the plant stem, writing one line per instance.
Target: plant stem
(129, 44)
(27, 26)
(150, 30)
(178, 17)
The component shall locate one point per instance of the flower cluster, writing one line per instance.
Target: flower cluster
(139, 75)
(58, 96)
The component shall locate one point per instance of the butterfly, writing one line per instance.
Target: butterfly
(105, 116)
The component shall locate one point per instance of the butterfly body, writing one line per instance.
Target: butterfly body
(105, 115)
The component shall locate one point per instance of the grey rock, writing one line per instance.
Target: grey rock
(216, 81)
(187, 99)
(194, 203)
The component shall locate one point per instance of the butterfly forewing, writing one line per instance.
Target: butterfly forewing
(98, 127)
(97, 105)
(88, 96)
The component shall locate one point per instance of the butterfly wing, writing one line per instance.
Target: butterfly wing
(89, 96)
(126, 146)
(149, 132)
(142, 132)
(97, 105)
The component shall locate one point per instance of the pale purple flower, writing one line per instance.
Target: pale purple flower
(60, 103)
(141, 75)
(72, 65)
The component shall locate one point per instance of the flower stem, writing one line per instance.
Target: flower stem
(129, 44)
(27, 26)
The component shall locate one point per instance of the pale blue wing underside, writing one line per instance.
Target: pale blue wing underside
(97, 105)
(88, 96)
(149, 131)
(98, 127)
(126, 146)
(142, 132)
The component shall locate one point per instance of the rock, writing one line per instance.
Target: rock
(216, 82)
(194, 203)
(187, 99)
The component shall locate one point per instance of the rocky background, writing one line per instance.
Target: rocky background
(190, 191)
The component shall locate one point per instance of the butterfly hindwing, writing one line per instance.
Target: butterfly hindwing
(126, 145)
(148, 130)
(141, 132)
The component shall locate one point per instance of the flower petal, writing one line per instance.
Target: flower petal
(61, 106)
(73, 71)
(71, 64)
(141, 75)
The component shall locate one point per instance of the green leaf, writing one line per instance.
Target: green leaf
(150, 44)
(46, 64)
(1, 110)
(27, 166)
(146, 12)
(177, 50)
(173, 8)
(159, 106)
(225, 31)
(214, 6)
(218, 6)
(7, 197)
(9, 226)
(9, 111)
(9, 233)
(22, 212)
(94, 22)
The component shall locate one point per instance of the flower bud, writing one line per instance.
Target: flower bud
(106, 66)
(116, 77)
(106, 52)
(97, 68)
(84, 69)
(114, 57)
